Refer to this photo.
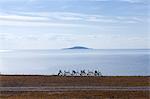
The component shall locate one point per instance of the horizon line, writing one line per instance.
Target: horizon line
(81, 49)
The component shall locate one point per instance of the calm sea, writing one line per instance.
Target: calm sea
(109, 62)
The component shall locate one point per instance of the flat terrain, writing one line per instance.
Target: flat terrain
(59, 87)
(34, 80)
(75, 88)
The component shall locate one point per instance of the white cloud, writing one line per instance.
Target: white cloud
(32, 1)
(52, 40)
(67, 17)
(37, 24)
(134, 1)
(129, 1)
(22, 18)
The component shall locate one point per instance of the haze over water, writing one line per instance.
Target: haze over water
(109, 62)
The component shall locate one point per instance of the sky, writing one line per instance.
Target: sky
(56, 24)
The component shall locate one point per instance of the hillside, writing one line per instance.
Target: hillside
(77, 47)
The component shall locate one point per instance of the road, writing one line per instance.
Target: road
(76, 88)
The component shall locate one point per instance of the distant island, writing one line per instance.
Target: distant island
(78, 47)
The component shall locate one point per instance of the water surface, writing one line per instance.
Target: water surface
(109, 62)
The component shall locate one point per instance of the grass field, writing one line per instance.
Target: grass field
(34, 80)
(75, 95)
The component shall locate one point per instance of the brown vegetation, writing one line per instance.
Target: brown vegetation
(72, 81)
(76, 95)
(14, 80)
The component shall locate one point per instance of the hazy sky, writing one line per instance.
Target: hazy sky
(54, 24)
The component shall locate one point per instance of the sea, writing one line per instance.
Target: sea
(110, 62)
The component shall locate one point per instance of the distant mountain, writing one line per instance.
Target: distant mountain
(78, 47)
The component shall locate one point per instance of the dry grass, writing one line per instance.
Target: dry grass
(76, 95)
(23, 80)
(72, 81)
